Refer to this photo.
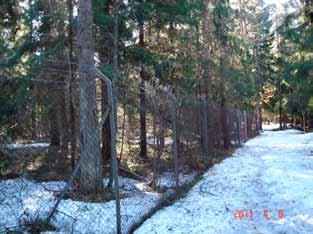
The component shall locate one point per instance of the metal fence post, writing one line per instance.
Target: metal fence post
(113, 152)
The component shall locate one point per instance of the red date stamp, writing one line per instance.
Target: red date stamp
(248, 214)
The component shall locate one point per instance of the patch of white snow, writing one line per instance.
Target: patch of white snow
(270, 175)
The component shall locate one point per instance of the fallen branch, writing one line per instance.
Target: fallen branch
(131, 174)
(51, 190)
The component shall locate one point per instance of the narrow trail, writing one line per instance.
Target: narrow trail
(266, 187)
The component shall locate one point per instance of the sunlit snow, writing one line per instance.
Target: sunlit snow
(272, 173)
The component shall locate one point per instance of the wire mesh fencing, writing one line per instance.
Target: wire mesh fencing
(83, 156)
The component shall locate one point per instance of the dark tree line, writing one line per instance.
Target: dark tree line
(214, 51)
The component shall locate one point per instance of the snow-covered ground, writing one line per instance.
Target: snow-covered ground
(271, 126)
(167, 179)
(32, 145)
(266, 187)
(24, 200)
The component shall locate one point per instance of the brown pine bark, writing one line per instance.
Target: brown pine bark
(142, 99)
(91, 169)
(106, 55)
(302, 121)
(105, 131)
(280, 113)
(226, 139)
(72, 107)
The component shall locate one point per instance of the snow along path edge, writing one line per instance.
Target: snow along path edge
(272, 172)
(167, 199)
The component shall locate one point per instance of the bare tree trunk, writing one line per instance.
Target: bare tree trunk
(34, 121)
(304, 119)
(204, 127)
(261, 118)
(91, 169)
(285, 120)
(106, 57)
(238, 135)
(53, 93)
(72, 111)
(155, 154)
(123, 133)
(245, 126)
(142, 98)
(225, 132)
(114, 97)
(309, 120)
(54, 129)
(59, 130)
(34, 93)
(63, 124)
(206, 56)
(105, 132)
(280, 113)
(175, 148)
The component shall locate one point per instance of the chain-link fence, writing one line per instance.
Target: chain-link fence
(59, 140)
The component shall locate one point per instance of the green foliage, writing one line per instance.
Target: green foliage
(13, 96)
(191, 46)
(221, 15)
(295, 62)
(139, 55)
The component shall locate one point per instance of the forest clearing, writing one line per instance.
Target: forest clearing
(149, 116)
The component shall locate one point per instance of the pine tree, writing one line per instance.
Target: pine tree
(91, 172)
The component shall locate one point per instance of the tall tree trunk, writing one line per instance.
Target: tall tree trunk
(53, 93)
(63, 124)
(309, 120)
(34, 121)
(222, 36)
(91, 169)
(106, 57)
(226, 139)
(206, 56)
(114, 91)
(54, 129)
(206, 66)
(285, 120)
(258, 87)
(72, 111)
(34, 93)
(260, 118)
(142, 99)
(105, 131)
(303, 121)
(280, 112)
(58, 111)
(123, 132)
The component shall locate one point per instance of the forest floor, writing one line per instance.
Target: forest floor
(25, 203)
(266, 187)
